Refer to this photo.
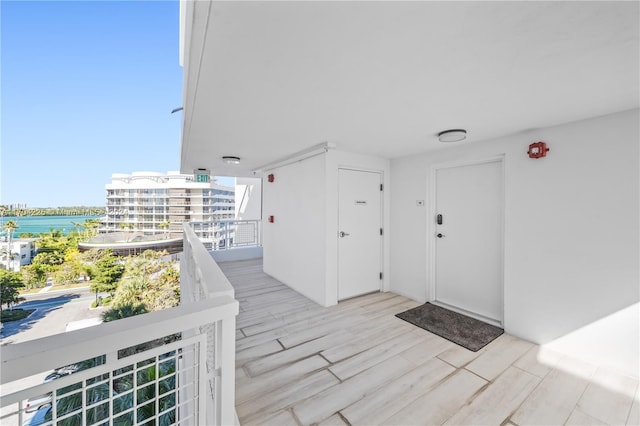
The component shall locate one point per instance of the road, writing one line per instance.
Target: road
(54, 310)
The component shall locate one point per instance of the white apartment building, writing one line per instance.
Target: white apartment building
(152, 203)
(16, 253)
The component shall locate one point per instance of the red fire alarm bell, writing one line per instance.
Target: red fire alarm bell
(271, 219)
(271, 177)
(537, 150)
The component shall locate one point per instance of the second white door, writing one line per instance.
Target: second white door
(360, 233)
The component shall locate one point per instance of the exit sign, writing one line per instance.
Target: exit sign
(202, 176)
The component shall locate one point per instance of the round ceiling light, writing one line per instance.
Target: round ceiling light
(229, 159)
(453, 135)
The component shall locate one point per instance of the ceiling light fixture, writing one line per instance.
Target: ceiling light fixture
(229, 159)
(453, 135)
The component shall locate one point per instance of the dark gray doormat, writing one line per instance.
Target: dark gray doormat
(467, 332)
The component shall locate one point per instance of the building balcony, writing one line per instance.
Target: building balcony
(243, 344)
(356, 363)
(170, 367)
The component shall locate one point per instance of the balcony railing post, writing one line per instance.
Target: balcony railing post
(225, 364)
(226, 234)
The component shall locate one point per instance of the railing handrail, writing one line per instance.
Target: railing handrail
(48, 353)
(201, 277)
(205, 323)
(209, 273)
(227, 221)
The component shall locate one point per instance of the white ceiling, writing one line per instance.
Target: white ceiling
(266, 79)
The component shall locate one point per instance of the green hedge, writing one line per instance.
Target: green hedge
(15, 315)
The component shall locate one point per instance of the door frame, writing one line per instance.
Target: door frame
(431, 228)
(380, 174)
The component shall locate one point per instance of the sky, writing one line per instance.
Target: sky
(87, 89)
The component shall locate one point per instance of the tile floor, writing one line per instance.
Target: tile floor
(356, 364)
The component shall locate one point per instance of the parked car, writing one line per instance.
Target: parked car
(43, 415)
(42, 401)
(71, 403)
(38, 402)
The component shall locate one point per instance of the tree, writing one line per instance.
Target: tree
(8, 255)
(91, 228)
(56, 233)
(55, 241)
(50, 259)
(34, 275)
(10, 226)
(165, 225)
(71, 269)
(11, 257)
(109, 269)
(147, 282)
(164, 291)
(78, 227)
(10, 283)
(124, 311)
(128, 227)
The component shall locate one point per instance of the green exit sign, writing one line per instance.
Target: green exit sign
(202, 176)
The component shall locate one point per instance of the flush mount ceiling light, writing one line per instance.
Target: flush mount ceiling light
(453, 135)
(228, 159)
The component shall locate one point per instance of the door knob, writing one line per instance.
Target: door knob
(439, 235)
(343, 234)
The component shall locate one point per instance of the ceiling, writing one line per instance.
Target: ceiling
(266, 79)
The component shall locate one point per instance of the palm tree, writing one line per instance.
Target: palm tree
(165, 225)
(128, 227)
(54, 233)
(5, 252)
(91, 227)
(78, 227)
(11, 257)
(10, 226)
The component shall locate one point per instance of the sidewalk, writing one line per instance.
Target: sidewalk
(47, 289)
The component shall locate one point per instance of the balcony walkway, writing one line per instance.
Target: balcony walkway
(355, 363)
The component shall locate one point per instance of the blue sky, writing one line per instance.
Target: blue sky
(87, 91)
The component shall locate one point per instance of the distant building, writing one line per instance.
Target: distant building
(17, 206)
(150, 206)
(17, 253)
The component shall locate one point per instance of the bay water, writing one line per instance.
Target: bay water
(42, 224)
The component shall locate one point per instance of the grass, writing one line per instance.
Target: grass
(15, 315)
(68, 286)
(30, 290)
(54, 288)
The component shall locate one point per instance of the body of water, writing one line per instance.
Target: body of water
(39, 224)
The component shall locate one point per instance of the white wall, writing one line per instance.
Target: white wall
(294, 245)
(571, 277)
(21, 248)
(301, 247)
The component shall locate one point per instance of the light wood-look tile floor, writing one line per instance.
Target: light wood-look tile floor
(357, 364)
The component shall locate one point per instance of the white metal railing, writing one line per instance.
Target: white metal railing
(202, 279)
(227, 234)
(175, 366)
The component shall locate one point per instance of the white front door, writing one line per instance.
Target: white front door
(468, 239)
(359, 233)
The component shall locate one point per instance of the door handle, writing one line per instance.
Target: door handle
(440, 235)
(343, 234)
